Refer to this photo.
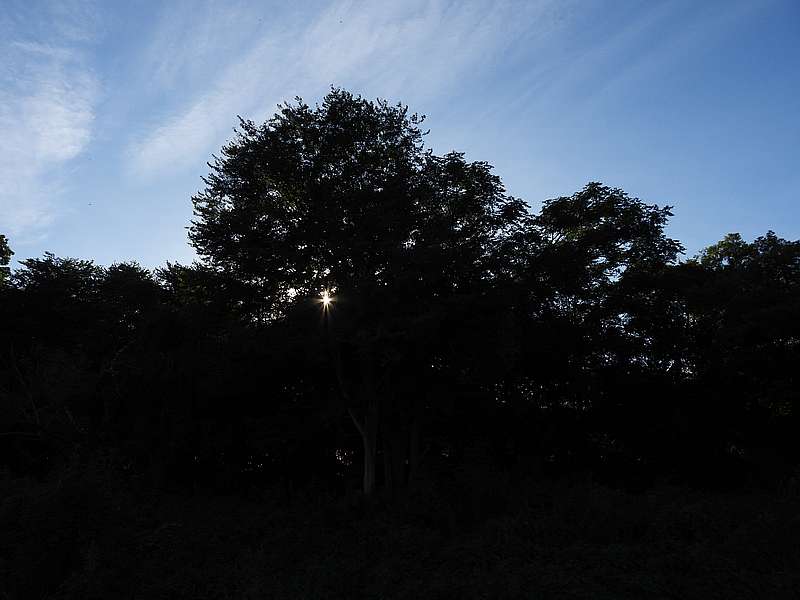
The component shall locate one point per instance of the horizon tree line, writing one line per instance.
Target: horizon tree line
(459, 327)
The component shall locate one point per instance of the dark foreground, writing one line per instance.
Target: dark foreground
(90, 532)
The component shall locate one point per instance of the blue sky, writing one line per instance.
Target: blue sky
(110, 110)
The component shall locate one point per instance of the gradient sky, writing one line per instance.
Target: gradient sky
(110, 110)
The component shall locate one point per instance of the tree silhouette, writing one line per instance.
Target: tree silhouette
(344, 198)
(746, 312)
(367, 314)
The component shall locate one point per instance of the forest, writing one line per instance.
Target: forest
(386, 377)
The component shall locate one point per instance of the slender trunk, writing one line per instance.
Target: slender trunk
(388, 475)
(368, 428)
(370, 458)
(370, 437)
(413, 449)
(395, 456)
(415, 435)
(393, 444)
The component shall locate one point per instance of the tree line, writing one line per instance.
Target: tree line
(364, 313)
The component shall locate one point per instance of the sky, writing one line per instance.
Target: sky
(109, 111)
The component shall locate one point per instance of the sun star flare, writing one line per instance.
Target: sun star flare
(326, 299)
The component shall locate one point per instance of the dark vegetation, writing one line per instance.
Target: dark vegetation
(498, 402)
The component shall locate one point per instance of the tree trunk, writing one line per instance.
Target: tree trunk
(370, 458)
(415, 434)
(368, 428)
(413, 449)
(388, 475)
(395, 455)
(370, 437)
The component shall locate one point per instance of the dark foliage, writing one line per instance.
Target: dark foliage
(494, 403)
(5, 258)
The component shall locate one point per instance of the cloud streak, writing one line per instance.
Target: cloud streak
(47, 107)
(417, 48)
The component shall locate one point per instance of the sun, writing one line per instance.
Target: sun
(326, 299)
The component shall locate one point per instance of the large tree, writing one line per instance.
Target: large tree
(343, 197)
(746, 313)
(66, 323)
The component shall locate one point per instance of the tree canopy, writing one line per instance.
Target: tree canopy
(344, 196)
(462, 322)
(370, 324)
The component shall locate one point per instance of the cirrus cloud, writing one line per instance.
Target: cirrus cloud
(418, 48)
(47, 107)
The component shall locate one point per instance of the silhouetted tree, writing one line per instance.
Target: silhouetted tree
(589, 270)
(49, 337)
(343, 197)
(585, 255)
(746, 314)
(68, 324)
(505, 347)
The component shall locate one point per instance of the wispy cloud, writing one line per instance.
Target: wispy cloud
(415, 49)
(47, 101)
